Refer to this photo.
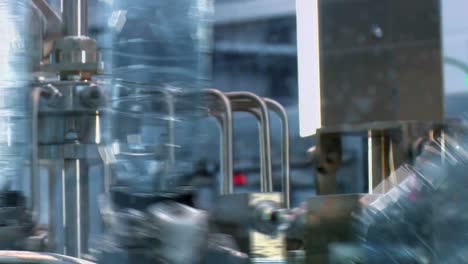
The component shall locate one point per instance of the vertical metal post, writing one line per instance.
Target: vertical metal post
(53, 223)
(224, 182)
(75, 17)
(225, 121)
(286, 178)
(34, 180)
(76, 206)
(384, 156)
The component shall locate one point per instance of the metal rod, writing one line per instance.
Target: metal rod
(225, 122)
(34, 180)
(76, 209)
(239, 100)
(261, 138)
(171, 125)
(285, 155)
(53, 212)
(75, 17)
(221, 119)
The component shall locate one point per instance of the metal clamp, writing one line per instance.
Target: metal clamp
(251, 103)
(285, 158)
(225, 122)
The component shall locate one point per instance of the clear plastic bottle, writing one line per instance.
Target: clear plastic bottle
(20, 25)
(425, 210)
(158, 59)
(20, 52)
(157, 55)
(150, 148)
(164, 41)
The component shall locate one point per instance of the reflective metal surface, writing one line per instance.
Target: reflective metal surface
(36, 257)
(75, 18)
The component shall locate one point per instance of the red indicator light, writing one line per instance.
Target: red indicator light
(239, 179)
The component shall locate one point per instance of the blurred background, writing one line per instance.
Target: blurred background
(389, 78)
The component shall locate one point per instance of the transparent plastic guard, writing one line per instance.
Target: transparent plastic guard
(19, 50)
(422, 218)
(149, 145)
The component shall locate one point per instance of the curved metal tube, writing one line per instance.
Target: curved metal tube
(225, 122)
(244, 101)
(285, 155)
(261, 137)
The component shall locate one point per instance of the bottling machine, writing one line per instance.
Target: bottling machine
(99, 137)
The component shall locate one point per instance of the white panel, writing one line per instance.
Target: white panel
(455, 45)
(308, 55)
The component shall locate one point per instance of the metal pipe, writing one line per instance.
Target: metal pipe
(285, 155)
(239, 99)
(76, 207)
(261, 138)
(34, 180)
(75, 17)
(224, 181)
(225, 122)
(54, 211)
